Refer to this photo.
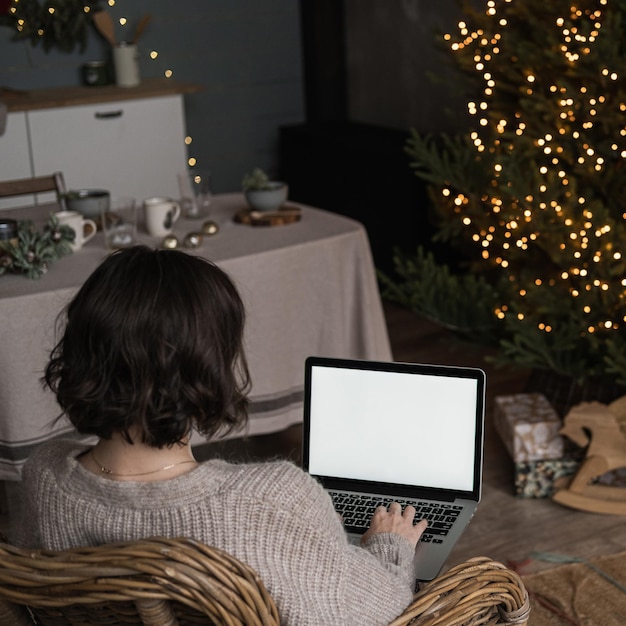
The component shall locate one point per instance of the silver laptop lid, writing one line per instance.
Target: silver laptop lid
(397, 428)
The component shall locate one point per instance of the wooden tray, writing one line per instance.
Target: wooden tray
(287, 214)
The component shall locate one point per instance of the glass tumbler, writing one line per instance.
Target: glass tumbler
(195, 193)
(119, 223)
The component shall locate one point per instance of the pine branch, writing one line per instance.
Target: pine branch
(62, 24)
(534, 191)
(461, 303)
(35, 250)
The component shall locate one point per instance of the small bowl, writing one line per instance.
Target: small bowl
(89, 202)
(268, 199)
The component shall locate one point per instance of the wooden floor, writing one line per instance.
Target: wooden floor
(505, 528)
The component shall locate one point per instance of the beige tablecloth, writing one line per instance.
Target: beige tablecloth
(309, 289)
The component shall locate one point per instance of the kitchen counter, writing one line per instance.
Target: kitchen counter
(31, 100)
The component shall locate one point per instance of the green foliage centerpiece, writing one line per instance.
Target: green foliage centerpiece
(33, 251)
(534, 192)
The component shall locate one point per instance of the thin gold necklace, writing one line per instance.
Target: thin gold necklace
(109, 472)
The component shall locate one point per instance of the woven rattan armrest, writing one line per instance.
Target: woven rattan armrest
(166, 582)
(160, 582)
(479, 591)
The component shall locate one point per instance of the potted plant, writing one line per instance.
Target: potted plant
(263, 194)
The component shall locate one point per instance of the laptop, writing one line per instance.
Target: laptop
(377, 432)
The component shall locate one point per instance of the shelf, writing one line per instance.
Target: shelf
(73, 96)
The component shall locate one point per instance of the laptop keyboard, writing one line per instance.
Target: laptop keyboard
(356, 511)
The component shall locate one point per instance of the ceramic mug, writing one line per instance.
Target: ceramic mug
(160, 213)
(84, 228)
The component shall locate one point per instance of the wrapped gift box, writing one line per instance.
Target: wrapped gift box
(535, 479)
(529, 427)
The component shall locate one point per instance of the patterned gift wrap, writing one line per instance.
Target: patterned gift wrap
(535, 479)
(529, 427)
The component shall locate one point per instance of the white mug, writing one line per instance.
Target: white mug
(161, 213)
(84, 228)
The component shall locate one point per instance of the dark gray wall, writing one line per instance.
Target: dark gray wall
(392, 57)
(245, 54)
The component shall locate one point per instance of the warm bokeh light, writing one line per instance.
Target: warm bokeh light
(557, 160)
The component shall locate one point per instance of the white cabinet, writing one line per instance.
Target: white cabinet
(130, 141)
(132, 147)
(15, 156)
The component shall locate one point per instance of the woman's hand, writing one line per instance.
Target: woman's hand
(395, 520)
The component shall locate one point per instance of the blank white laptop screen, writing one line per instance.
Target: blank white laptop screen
(407, 429)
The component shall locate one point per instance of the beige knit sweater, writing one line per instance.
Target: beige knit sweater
(272, 516)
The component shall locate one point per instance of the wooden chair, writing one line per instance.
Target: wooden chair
(38, 184)
(30, 188)
(180, 582)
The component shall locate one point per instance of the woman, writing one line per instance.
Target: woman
(152, 348)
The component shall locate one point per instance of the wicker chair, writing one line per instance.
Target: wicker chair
(180, 582)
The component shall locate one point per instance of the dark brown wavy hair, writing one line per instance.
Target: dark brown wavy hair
(154, 340)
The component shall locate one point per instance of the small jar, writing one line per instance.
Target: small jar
(8, 233)
(95, 73)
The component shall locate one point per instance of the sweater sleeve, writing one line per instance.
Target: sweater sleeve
(41, 471)
(394, 552)
(370, 580)
(27, 535)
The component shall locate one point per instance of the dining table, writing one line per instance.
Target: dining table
(309, 288)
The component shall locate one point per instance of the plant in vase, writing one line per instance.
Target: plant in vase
(261, 193)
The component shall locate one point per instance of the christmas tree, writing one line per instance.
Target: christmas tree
(534, 193)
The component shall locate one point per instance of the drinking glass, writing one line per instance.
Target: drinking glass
(195, 193)
(119, 223)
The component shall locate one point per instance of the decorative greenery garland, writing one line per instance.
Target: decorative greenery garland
(54, 23)
(34, 250)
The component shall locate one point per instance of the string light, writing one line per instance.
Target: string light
(575, 118)
(168, 72)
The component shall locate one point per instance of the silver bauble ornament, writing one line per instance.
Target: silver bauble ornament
(210, 228)
(170, 242)
(192, 240)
